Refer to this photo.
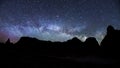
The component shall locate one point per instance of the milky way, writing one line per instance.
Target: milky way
(57, 20)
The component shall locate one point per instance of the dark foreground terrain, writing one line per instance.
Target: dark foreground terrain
(33, 53)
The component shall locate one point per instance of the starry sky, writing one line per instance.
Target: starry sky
(57, 20)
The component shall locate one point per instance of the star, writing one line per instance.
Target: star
(55, 20)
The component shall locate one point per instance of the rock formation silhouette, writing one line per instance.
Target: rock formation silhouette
(74, 53)
(8, 41)
(111, 43)
(91, 46)
(91, 43)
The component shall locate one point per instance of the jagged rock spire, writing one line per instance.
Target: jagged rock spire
(110, 29)
(8, 41)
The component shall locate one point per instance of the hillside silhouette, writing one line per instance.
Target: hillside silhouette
(111, 43)
(34, 53)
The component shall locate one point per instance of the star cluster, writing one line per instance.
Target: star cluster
(57, 20)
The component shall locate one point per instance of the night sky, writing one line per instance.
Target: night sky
(57, 20)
